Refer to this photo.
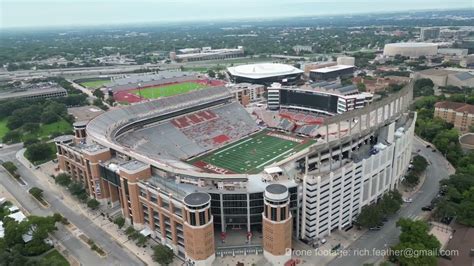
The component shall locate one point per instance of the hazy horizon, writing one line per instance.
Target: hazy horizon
(56, 13)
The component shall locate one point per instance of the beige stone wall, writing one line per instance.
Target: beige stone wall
(276, 236)
(199, 241)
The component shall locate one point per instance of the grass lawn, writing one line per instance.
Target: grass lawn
(252, 154)
(47, 129)
(3, 128)
(94, 84)
(167, 90)
(59, 126)
(54, 258)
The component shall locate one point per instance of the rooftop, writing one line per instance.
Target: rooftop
(84, 113)
(458, 107)
(331, 68)
(412, 44)
(31, 90)
(276, 189)
(263, 70)
(133, 165)
(197, 199)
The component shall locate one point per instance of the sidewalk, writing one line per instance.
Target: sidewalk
(143, 254)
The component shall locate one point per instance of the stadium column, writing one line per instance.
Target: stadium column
(92, 160)
(277, 225)
(198, 229)
(130, 176)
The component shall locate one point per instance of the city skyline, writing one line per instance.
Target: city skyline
(40, 13)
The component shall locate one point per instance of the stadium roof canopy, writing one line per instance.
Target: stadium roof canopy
(263, 70)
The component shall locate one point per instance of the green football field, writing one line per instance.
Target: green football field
(250, 155)
(167, 90)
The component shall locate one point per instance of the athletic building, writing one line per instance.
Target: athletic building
(331, 72)
(265, 74)
(194, 169)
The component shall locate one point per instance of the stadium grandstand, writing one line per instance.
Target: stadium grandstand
(191, 169)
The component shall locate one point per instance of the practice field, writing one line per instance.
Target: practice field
(250, 155)
(94, 84)
(167, 90)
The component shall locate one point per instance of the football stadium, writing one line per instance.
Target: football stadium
(197, 171)
(137, 88)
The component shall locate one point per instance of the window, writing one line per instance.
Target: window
(202, 218)
(283, 213)
(273, 214)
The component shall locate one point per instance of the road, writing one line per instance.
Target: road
(116, 254)
(388, 235)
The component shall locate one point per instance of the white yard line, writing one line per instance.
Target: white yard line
(258, 166)
(237, 144)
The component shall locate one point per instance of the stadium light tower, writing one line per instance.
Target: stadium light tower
(140, 90)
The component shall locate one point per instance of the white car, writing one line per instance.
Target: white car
(408, 200)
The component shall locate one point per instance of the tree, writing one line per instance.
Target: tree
(12, 136)
(141, 240)
(30, 141)
(211, 73)
(49, 117)
(411, 180)
(31, 127)
(98, 93)
(11, 167)
(93, 204)
(370, 216)
(415, 236)
(466, 208)
(119, 221)
(162, 254)
(423, 87)
(390, 203)
(38, 152)
(36, 192)
(361, 87)
(63, 179)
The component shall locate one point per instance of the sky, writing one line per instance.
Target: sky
(47, 13)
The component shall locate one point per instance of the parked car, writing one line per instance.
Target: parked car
(408, 200)
(428, 146)
(375, 228)
(427, 208)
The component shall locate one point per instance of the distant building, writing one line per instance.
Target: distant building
(331, 73)
(467, 61)
(302, 48)
(461, 115)
(206, 53)
(346, 60)
(246, 93)
(445, 77)
(453, 51)
(410, 49)
(429, 33)
(43, 90)
(307, 67)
